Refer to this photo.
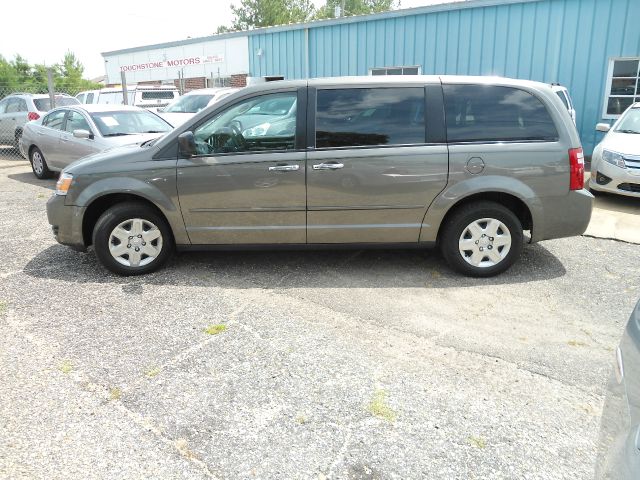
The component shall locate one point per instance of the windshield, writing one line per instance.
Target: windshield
(117, 123)
(44, 104)
(189, 104)
(630, 122)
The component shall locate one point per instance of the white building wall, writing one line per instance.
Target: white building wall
(224, 57)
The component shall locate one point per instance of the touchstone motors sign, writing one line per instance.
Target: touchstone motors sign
(178, 62)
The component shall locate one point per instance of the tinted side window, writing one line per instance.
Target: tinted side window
(54, 120)
(263, 123)
(370, 116)
(481, 113)
(89, 98)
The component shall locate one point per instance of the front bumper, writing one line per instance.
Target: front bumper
(624, 181)
(66, 222)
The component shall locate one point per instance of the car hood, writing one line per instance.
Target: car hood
(176, 118)
(114, 159)
(625, 143)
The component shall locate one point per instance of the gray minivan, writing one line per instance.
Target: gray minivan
(465, 163)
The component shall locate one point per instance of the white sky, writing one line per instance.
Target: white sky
(42, 30)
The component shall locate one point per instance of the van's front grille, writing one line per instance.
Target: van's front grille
(630, 187)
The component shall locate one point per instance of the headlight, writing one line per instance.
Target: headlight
(257, 131)
(613, 158)
(64, 183)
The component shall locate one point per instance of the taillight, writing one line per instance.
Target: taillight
(576, 175)
(33, 116)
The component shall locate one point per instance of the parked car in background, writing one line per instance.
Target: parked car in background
(267, 166)
(19, 108)
(615, 163)
(88, 96)
(619, 445)
(563, 94)
(185, 107)
(68, 133)
(144, 96)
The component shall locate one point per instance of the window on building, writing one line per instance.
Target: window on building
(483, 113)
(623, 86)
(358, 117)
(413, 70)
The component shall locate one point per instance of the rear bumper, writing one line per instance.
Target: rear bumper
(66, 222)
(565, 216)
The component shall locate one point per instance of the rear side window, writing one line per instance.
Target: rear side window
(54, 120)
(89, 98)
(483, 113)
(158, 95)
(358, 117)
(563, 97)
(44, 104)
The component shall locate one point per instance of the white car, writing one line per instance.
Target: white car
(150, 97)
(191, 103)
(615, 164)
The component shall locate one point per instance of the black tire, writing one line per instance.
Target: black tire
(42, 172)
(18, 135)
(115, 216)
(457, 223)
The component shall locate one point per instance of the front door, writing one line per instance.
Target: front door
(246, 185)
(373, 173)
(71, 148)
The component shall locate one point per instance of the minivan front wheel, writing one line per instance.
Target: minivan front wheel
(482, 239)
(132, 239)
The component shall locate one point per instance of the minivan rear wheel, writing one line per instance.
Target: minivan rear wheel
(482, 239)
(132, 239)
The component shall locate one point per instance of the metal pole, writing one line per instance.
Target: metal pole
(342, 9)
(125, 93)
(52, 94)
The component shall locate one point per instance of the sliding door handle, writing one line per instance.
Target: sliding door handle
(328, 166)
(284, 168)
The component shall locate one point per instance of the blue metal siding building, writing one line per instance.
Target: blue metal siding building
(571, 42)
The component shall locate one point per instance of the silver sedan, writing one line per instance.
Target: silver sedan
(68, 133)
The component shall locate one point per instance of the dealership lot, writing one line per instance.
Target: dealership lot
(332, 364)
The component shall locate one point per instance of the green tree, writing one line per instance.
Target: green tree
(355, 7)
(266, 13)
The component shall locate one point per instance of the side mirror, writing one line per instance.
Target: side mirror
(187, 144)
(81, 133)
(603, 127)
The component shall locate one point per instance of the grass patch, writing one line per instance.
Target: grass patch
(3, 308)
(301, 419)
(215, 329)
(115, 393)
(576, 343)
(477, 442)
(152, 372)
(378, 406)
(66, 367)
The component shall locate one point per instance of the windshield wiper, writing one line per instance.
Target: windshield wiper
(154, 131)
(117, 134)
(626, 130)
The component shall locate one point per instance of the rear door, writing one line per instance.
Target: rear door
(247, 183)
(379, 159)
(5, 133)
(48, 136)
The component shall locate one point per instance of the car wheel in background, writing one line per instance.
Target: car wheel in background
(481, 239)
(18, 136)
(132, 239)
(39, 164)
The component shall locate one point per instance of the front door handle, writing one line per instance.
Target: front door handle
(284, 168)
(328, 166)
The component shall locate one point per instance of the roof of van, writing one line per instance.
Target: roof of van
(105, 107)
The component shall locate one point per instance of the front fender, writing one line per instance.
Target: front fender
(158, 187)
(457, 192)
